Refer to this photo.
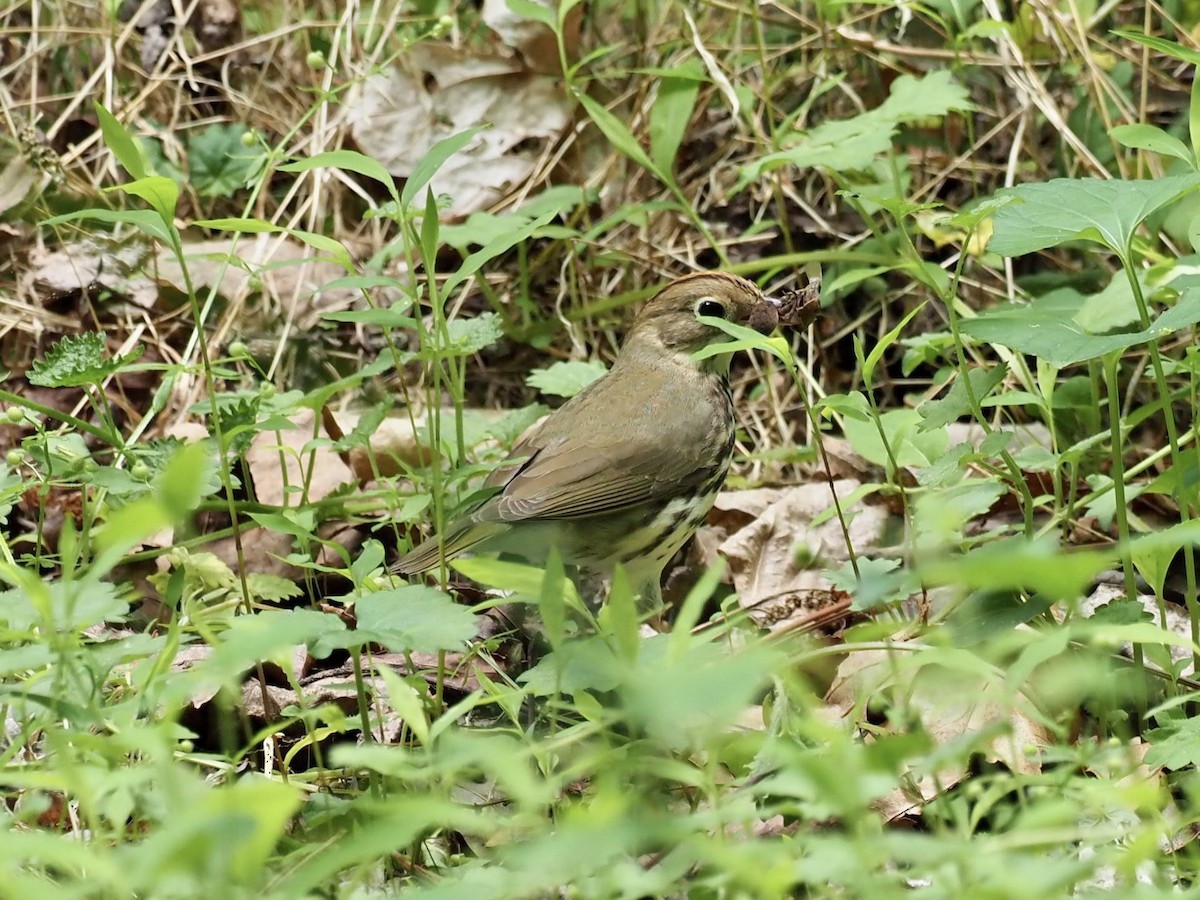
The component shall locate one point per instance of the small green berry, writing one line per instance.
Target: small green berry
(14, 457)
(315, 60)
(268, 390)
(249, 139)
(140, 470)
(15, 415)
(239, 350)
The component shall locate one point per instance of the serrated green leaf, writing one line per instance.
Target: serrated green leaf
(465, 337)
(415, 618)
(76, 360)
(1047, 328)
(566, 378)
(219, 164)
(1053, 212)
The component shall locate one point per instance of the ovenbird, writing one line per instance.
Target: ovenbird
(625, 471)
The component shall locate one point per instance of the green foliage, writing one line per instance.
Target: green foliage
(77, 360)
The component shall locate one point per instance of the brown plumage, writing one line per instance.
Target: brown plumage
(625, 471)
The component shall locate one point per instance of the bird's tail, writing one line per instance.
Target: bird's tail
(458, 540)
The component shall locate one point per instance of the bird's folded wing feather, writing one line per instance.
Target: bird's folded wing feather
(565, 479)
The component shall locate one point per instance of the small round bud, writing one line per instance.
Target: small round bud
(140, 470)
(15, 415)
(249, 139)
(239, 350)
(268, 390)
(14, 457)
(315, 60)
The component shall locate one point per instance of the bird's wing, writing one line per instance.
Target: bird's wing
(564, 476)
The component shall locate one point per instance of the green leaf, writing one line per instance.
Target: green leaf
(147, 220)
(1039, 565)
(1162, 45)
(336, 250)
(395, 316)
(1154, 139)
(910, 444)
(528, 9)
(465, 337)
(672, 112)
(160, 192)
(1070, 209)
(348, 160)
(1047, 328)
(434, 160)
(266, 636)
(942, 514)
(76, 360)
(849, 145)
(121, 143)
(493, 249)
(565, 379)
(619, 135)
(415, 618)
(1174, 746)
(219, 164)
(955, 404)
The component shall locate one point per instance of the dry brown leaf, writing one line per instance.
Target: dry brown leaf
(534, 41)
(399, 115)
(951, 705)
(771, 577)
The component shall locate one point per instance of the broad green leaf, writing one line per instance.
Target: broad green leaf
(1154, 139)
(1047, 328)
(910, 445)
(348, 160)
(1038, 565)
(66, 606)
(565, 379)
(161, 193)
(1152, 553)
(434, 160)
(1175, 745)
(943, 513)
(415, 618)
(1053, 212)
(118, 139)
(265, 636)
(529, 9)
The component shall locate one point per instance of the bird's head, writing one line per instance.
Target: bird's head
(670, 320)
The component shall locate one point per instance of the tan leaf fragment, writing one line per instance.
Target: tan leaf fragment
(397, 116)
(776, 561)
(951, 705)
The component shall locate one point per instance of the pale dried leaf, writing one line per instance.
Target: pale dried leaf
(951, 705)
(777, 560)
(398, 116)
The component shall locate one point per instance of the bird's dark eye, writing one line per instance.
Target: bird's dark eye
(710, 307)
